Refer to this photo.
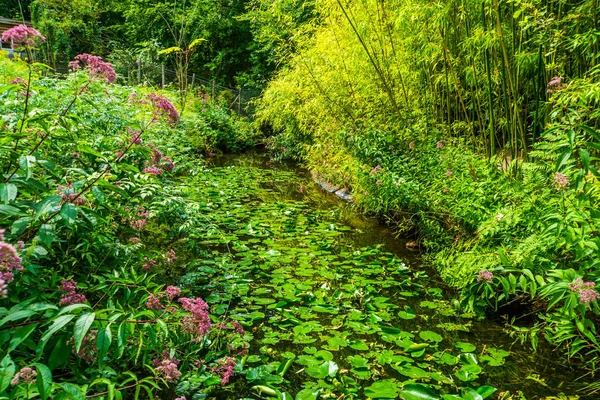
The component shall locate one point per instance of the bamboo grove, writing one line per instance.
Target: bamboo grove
(479, 70)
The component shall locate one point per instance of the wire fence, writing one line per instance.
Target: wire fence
(238, 100)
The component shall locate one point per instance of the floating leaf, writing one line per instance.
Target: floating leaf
(384, 389)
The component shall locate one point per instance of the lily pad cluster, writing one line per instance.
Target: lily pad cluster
(327, 318)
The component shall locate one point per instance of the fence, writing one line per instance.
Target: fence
(238, 100)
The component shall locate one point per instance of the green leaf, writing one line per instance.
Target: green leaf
(9, 210)
(103, 342)
(408, 313)
(81, 328)
(73, 391)
(17, 315)
(7, 371)
(562, 160)
(68, 213)
(430, 336)
(46, 234)
(415, 391)
(470, 394)
(45, 206)
(486, 391)
(384, 389)
(19, 335)
(26, 162)
(585, 159)
(43, 380)
(308, 394)
(8, 192)
(57, 324)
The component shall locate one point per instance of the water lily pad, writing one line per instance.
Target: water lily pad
(430, 336)
(384, 389)
(415, 391)
(408, 313)
(464, 347)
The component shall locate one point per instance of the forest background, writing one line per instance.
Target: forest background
(471, 125)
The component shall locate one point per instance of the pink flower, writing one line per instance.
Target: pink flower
(153, 302)
(440, 144)
(98, 68)
(70, 296)
(26, 374)
(18, 81)
(135, 240)
(448, 173)
(561, 182)
(172, 292)
(153, 171)
(22, 35)
(586, 296)
(163, 107)
(135, 137)
(555, 81)
(167, 368)
(485, 277)
(224, 368)
(168, 164)
(375, 170)
(149, 265)
(198, 323)
(238, 328)
(171, 256)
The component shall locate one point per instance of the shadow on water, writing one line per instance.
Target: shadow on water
(536, 374)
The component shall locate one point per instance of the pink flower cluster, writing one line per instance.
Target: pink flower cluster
(22, 36)
(148, 265)
(153, 170)
(439, 144)
(98, 68)
(140, 220)
(26, 374)
(561, 182)
(224, 368)
(157, 163)
(555, 84)
(19, 81)
(198, 323)
(69, 196)
(375, 170)
(163, 108)
(585, 290)
(485, 277)
(167, 368)
(153, 302)
(9, 262)
(172, 292)
(170, 256)
(70, 296)
(135, 137)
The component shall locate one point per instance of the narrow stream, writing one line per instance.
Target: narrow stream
(334, 292)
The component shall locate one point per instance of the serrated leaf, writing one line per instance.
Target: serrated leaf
(68, 213)
(43, 380)
(82, 325)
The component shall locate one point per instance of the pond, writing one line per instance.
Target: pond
(334, 304)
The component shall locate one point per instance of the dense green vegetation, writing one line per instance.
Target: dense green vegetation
(132, 268)
(473, 124)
